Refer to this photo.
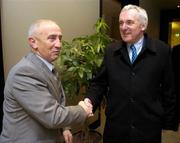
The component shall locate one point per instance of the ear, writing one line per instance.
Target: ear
(32, 42)
(143, 27)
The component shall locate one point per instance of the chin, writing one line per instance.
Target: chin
(127, 41)
(55, 58)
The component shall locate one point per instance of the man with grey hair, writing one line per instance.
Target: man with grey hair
(136, 79)
(34, 101)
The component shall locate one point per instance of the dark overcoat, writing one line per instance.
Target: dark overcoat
(140, 97)
(176, 64)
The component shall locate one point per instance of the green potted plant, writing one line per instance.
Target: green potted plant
(80, 59)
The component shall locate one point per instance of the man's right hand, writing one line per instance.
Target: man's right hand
(87, 107)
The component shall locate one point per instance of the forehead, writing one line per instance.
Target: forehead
(130, 14)
(48, 29)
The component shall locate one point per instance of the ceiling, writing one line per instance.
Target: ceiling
(163, 4)
(168, 4)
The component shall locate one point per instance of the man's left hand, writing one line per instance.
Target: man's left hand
(67, 136)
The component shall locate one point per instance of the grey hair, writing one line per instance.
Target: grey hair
(142, 13)
(35, 26)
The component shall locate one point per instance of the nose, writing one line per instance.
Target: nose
(58, 43)
(123, 26)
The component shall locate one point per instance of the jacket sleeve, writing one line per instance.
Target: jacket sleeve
(33, 95)
(98, 86)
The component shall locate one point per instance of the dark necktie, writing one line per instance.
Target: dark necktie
(55, 73)
(56, 77)
(134, 53)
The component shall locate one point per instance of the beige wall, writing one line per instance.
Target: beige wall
(111, 10)
(75, 17)
(152, 8)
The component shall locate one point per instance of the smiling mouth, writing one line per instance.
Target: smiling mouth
(56, 52)
(126, 34)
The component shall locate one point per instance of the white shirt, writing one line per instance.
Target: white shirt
(138, 45)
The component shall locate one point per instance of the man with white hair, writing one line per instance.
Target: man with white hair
(34, 101)
(136, 79)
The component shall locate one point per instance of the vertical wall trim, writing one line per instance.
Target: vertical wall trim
(100, 8)
(1, 75)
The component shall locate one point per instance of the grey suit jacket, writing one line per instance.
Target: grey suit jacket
(34, 110)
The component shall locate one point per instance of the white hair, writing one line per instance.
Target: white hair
(37, 24)
(142, 13)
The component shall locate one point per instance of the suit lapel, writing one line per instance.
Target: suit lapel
(43, 69)
(148, 46)
(121, 50)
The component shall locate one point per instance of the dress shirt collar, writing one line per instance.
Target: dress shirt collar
(49, 65)
(138, 45)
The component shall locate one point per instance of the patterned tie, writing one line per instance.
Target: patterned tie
(134, 53)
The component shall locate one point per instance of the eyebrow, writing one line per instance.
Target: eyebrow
(54, 36)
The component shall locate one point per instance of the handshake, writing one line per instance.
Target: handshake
(87, 106)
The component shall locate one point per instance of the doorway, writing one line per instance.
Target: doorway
(170, 26)
(174, 33)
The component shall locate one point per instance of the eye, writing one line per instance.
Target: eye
(130, 22)
(60, 38)
(52, 38)
(121, 23)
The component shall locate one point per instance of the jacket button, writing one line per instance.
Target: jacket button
(132, 126)
(133, 73)
(132, 99)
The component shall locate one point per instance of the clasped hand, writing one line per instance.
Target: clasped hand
(87, 106)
